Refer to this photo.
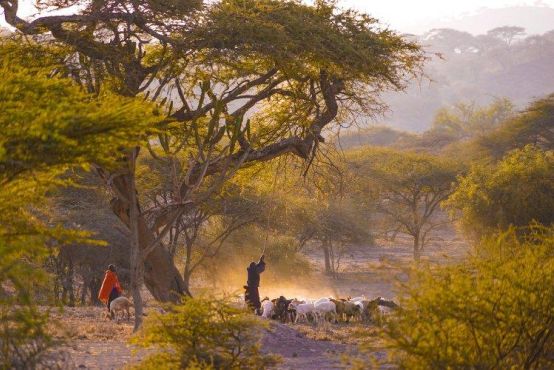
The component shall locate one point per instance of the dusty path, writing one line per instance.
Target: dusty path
(104, 355)
(96, 343)
(296, 350)
(300, 352)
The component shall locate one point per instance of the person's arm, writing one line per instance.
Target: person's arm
(261, 264)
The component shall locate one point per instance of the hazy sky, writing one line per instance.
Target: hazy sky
(410, 15)
(404, 15)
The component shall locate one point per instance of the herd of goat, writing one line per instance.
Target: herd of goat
(294, 310)
(325, 309)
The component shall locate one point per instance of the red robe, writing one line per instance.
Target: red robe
(110, 282)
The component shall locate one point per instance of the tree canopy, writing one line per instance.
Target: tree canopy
(240, 81)
(534, 125)
(466, 120)
(51, 122)
(514, 192)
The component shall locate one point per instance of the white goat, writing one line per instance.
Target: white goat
(120, 305)
(359, 304)
(303, 309)
(325, 307)
(267, 309)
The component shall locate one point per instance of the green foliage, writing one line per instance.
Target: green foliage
(48, 127)
(340, 222)
(492, 312)
(516, 191)
(283, 255)
(465, 120)
(350, 44)
(203, 333)
(404, 170)
(375, 136)
(532, 126)
(51, 122)
(23, 336)
(452, 128)
(22, 330)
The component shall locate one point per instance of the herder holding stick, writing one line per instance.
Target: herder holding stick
(252, 295)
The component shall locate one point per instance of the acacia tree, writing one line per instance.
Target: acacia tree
(335, 219)
(408, 189)
(210, 66)
(339, 225)
(202, 232)
(320, 207)
(507, 33)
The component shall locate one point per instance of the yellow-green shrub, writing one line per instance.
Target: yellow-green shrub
(496, 311)
(48, 126)
(514, 192)
(203, 333)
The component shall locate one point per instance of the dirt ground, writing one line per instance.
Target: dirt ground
(300, 351)
(93, 342)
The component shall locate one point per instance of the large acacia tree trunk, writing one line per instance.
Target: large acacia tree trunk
(161, 277)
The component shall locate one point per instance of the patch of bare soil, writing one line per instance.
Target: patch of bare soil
(91, 341)
(94, 342)
(298, 351)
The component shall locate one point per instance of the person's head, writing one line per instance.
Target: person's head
(111, 268)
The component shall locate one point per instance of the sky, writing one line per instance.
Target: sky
(412, 16)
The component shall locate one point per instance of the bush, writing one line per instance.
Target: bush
(493, 312)
(23, 336)
(516, 191)
(203, 333)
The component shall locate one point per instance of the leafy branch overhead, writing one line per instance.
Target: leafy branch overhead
(239, 81)
(229, 58)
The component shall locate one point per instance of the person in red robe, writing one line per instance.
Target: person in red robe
(111, 289)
